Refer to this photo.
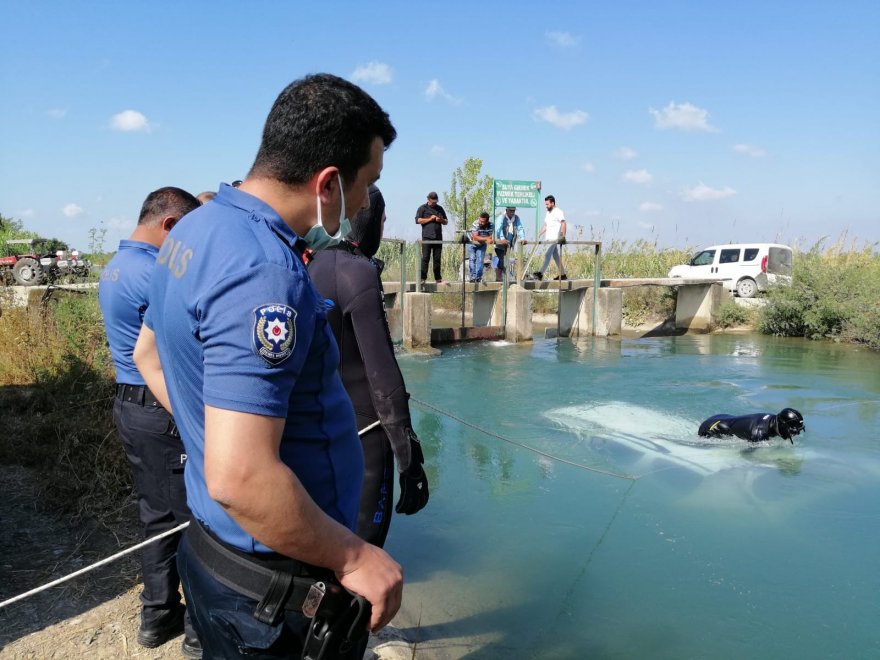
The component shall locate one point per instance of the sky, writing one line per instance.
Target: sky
(680, 123)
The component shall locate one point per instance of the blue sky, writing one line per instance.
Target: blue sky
(686, 122)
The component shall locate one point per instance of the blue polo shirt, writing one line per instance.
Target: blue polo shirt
(239, 326)
(122, 294)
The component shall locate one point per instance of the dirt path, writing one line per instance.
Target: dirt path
(95, 616)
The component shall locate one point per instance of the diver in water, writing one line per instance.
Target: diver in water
(754, 428)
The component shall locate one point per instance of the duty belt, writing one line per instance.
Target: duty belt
(139, 394)
(279, 583)
(275, 582)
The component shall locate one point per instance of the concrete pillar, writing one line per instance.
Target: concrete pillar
(573, 321)
(486, 302)
(417, 321)
(609, 312)
(576, 313)
(697, 307)
(519, 315)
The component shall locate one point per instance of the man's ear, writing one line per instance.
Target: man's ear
(168, 223)
(324, 182)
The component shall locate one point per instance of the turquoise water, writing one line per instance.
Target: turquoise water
(678, 548)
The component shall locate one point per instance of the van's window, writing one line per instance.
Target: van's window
(704, 258)
(779, 261)
(750, 254)
(729, 256)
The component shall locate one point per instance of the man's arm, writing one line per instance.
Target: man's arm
(267, 500)
(146, 357)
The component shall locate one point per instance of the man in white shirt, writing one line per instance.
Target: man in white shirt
(554, 230)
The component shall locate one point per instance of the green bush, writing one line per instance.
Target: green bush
(834, 295)
(731, 315)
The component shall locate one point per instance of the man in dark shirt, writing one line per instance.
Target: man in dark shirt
(431, 217)
(754, 428)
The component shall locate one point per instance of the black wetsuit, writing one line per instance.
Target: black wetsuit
(369, 372)
(754, 428)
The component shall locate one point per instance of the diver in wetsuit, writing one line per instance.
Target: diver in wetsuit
(349, 275)
(754, 428)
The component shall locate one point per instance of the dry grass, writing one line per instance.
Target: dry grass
(56, 390)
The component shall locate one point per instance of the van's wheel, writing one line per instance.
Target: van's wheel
(27, 272)
(746, 288)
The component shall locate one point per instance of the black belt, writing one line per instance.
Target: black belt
(139, 394)
(274, 581)
(279, 583)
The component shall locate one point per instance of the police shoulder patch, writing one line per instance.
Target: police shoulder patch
(274, 332)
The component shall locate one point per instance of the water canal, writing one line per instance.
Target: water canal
(615, 532)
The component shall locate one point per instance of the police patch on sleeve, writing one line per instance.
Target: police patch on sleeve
(274, 332)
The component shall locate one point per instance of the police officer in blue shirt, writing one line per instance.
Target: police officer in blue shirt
(149, 435)
(240, 337)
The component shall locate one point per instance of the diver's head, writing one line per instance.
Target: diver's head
(789, 422)
(367, 226)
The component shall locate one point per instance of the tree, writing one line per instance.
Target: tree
(467, 185)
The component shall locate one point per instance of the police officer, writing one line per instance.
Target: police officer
(754, 428)
(149, 435)
(250, 364)
(349, 275)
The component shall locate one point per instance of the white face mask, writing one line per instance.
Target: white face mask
(317, 237)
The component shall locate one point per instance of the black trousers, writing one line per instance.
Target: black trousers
(427, 251)
(157, 458)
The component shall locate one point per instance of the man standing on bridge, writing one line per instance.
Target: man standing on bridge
(553, 230)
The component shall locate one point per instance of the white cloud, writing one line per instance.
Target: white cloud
(647, 207)
(563, 120)
(562, 39)
(438, 150)
(57, 113)
(72, 210)
(588, 167)
(625, 153)
(703, 193)
(749, 150)
(130, 121)
(684, 117)
(637, 176)
(118, 223)
(435, 90)
(377, 73)
(25, 213)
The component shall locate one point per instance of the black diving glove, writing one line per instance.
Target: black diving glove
(413, 480)
(561, 240)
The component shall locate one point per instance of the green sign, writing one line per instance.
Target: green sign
(522, 194)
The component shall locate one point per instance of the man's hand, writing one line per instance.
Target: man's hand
(378, 578)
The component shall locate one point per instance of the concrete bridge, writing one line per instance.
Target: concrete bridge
(499, 312)
(505, 312)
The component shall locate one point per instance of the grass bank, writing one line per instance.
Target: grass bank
(56, 393)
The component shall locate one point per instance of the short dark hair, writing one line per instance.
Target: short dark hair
(432, 195)
(550, 198)
(319, 121)
(164, 202)
(484, 215)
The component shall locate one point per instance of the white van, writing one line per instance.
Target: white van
(745, 268)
